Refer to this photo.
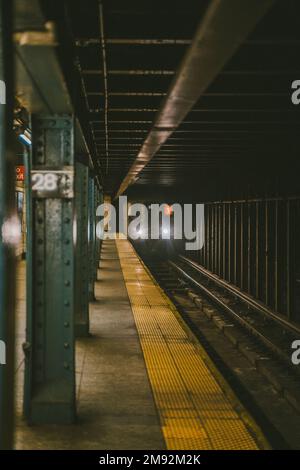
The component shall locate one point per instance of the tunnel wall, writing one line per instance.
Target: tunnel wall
(253, 245)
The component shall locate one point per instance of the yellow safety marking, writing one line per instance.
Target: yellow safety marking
(197, 409)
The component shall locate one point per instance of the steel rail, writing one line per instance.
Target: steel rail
(244, 323)
(250, 301)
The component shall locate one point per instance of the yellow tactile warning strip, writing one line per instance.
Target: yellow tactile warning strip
(194, 410)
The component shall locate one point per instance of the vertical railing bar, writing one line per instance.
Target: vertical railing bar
(213, 238)
(235, 246)
(220, 235)
(229, 242)
(257, 250)
(242, 245)
(224, 240)
(266, 252)
(276, 259)
(249, 248)
(288, 259)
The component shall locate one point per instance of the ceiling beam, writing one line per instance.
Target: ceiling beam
(85, 42)
(223, 29)
(129, 72)
(267, 72)
(127, 93)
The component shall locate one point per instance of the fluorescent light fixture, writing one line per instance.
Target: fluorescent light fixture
(24, 139)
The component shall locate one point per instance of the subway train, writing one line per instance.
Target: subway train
(157, 241)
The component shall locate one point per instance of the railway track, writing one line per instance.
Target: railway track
(261, 336)
(271, 330)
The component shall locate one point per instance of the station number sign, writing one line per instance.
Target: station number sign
(52, 182)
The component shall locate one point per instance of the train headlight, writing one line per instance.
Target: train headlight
(141, 233)
(166, 233)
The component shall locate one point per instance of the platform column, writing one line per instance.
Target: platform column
(50, 365)
(92, 237)
(82, 251)
(29, 292)
(8, 230)
(96, 246)
(98, 240)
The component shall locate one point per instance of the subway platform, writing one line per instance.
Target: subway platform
(143, 381)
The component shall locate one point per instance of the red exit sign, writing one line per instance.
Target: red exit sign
(20, 173)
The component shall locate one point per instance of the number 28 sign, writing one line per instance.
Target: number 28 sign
(52, 182)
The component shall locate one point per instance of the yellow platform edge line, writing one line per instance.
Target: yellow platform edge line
(181, 440)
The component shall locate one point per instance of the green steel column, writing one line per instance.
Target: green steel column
(98, 240)
(96, 244)
(82, 251)
(92, 237)
(8, 231)
(50, 363)
(26, 345)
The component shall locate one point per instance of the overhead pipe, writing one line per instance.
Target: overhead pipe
(225, 26)
(103, 48)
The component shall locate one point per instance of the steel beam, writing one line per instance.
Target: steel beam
(224, 232)
(276, 257)
(96, 241)
(84, 42)
(29, 290)
(249, 247)
(229, 242)
(223, 29)
(50, 364)
(154, 73)
(288, 260)
(235, 244)
(257, 249)
(267, 247)
(127, 93)
(82, 261)
(92, 237)
(8, 227)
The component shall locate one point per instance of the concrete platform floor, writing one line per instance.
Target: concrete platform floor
(116, 409)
